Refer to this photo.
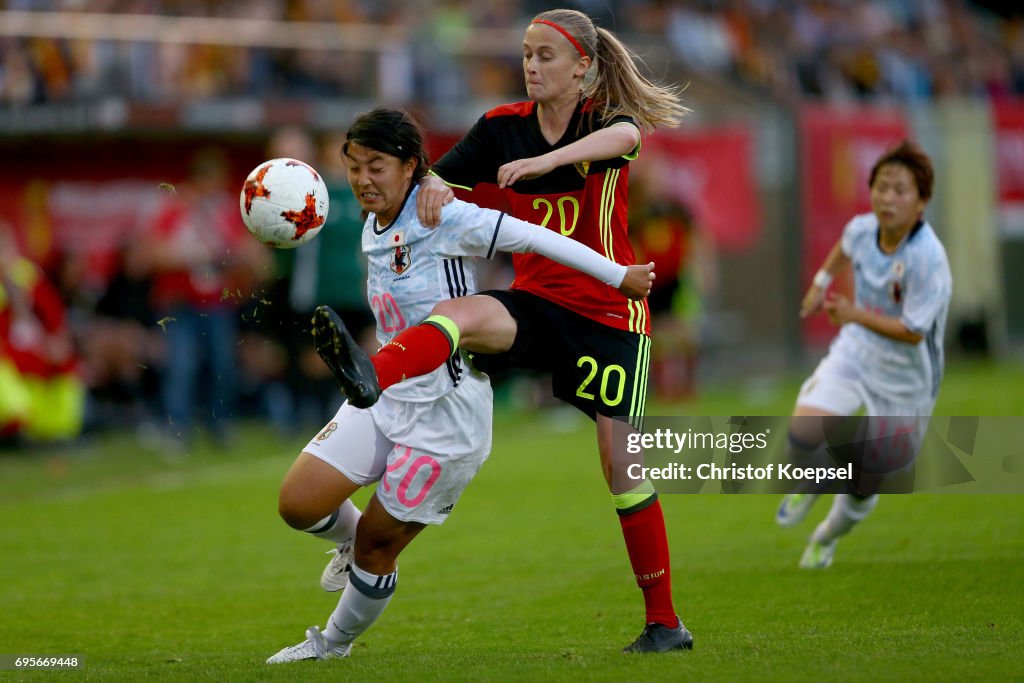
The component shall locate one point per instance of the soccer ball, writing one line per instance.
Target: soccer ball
(284, 203)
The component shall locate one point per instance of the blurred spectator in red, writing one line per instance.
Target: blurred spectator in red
(664, 231)
(205, 266)
(41, 394)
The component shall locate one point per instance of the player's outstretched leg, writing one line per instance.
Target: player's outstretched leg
(315, 646)
(659, 638)
(351, 366)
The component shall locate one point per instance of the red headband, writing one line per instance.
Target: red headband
(575, 44)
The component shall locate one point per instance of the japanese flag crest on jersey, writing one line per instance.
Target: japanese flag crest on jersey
(401, 254)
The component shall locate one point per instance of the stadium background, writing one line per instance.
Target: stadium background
(103, 105)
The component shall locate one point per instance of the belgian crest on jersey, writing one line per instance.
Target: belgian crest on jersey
(401, 255)
(582, 167)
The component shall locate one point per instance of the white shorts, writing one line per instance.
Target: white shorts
(896, 429)
(423, 454)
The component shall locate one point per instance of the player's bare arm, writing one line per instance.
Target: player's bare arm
(608, 143)
(834, 263)
(841, 311)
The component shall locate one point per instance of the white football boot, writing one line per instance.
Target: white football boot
(335, 575)
(794, 508)
(818, 555)
(315, 646)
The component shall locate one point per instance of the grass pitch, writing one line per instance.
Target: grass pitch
(182, 571)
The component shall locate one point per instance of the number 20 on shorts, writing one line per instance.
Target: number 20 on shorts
(404, 494)
(610, 375)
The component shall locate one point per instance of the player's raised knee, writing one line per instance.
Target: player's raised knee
(294, 510)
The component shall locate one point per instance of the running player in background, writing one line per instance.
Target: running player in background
(561, 160)
(425, 439)
(887, 359)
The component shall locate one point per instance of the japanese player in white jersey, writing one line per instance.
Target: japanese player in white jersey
(887, 359)
(423, 440)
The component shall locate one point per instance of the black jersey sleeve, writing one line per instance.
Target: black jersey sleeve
(472, 159)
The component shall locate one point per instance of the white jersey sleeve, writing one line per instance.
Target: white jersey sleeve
(929, 288)
(470, 230)
(857, 228)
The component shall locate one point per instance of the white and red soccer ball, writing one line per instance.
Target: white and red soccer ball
(284, 203)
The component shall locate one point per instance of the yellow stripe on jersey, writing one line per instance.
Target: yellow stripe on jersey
(611, 212)
(637, 312)
(604, 214)
(637, 317)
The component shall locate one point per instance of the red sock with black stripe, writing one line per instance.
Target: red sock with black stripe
(416, 351)
(647, 545)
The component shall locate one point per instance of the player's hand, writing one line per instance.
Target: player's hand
(433, 195)
(524, 169)
(840, 310)
(638, 281)
(812, 302)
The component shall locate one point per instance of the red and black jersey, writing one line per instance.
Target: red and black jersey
(586, 202)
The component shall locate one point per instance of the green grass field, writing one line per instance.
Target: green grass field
(182, 571)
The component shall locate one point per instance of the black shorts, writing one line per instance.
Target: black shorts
(597, 368)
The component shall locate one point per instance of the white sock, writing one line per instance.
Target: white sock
(338, 527)
(360, 605)
(846, 512)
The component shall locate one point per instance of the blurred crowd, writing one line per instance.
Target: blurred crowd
(825, 49)
(193, 324)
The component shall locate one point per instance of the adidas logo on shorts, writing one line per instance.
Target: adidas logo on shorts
(446, 510)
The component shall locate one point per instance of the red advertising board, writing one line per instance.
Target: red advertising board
(838, 147)
(1009, 148)
(711, 171)
(1009, 154)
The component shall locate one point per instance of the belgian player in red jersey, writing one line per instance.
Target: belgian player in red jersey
(562, 161)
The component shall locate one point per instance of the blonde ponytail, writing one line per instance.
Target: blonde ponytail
(620, 88)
